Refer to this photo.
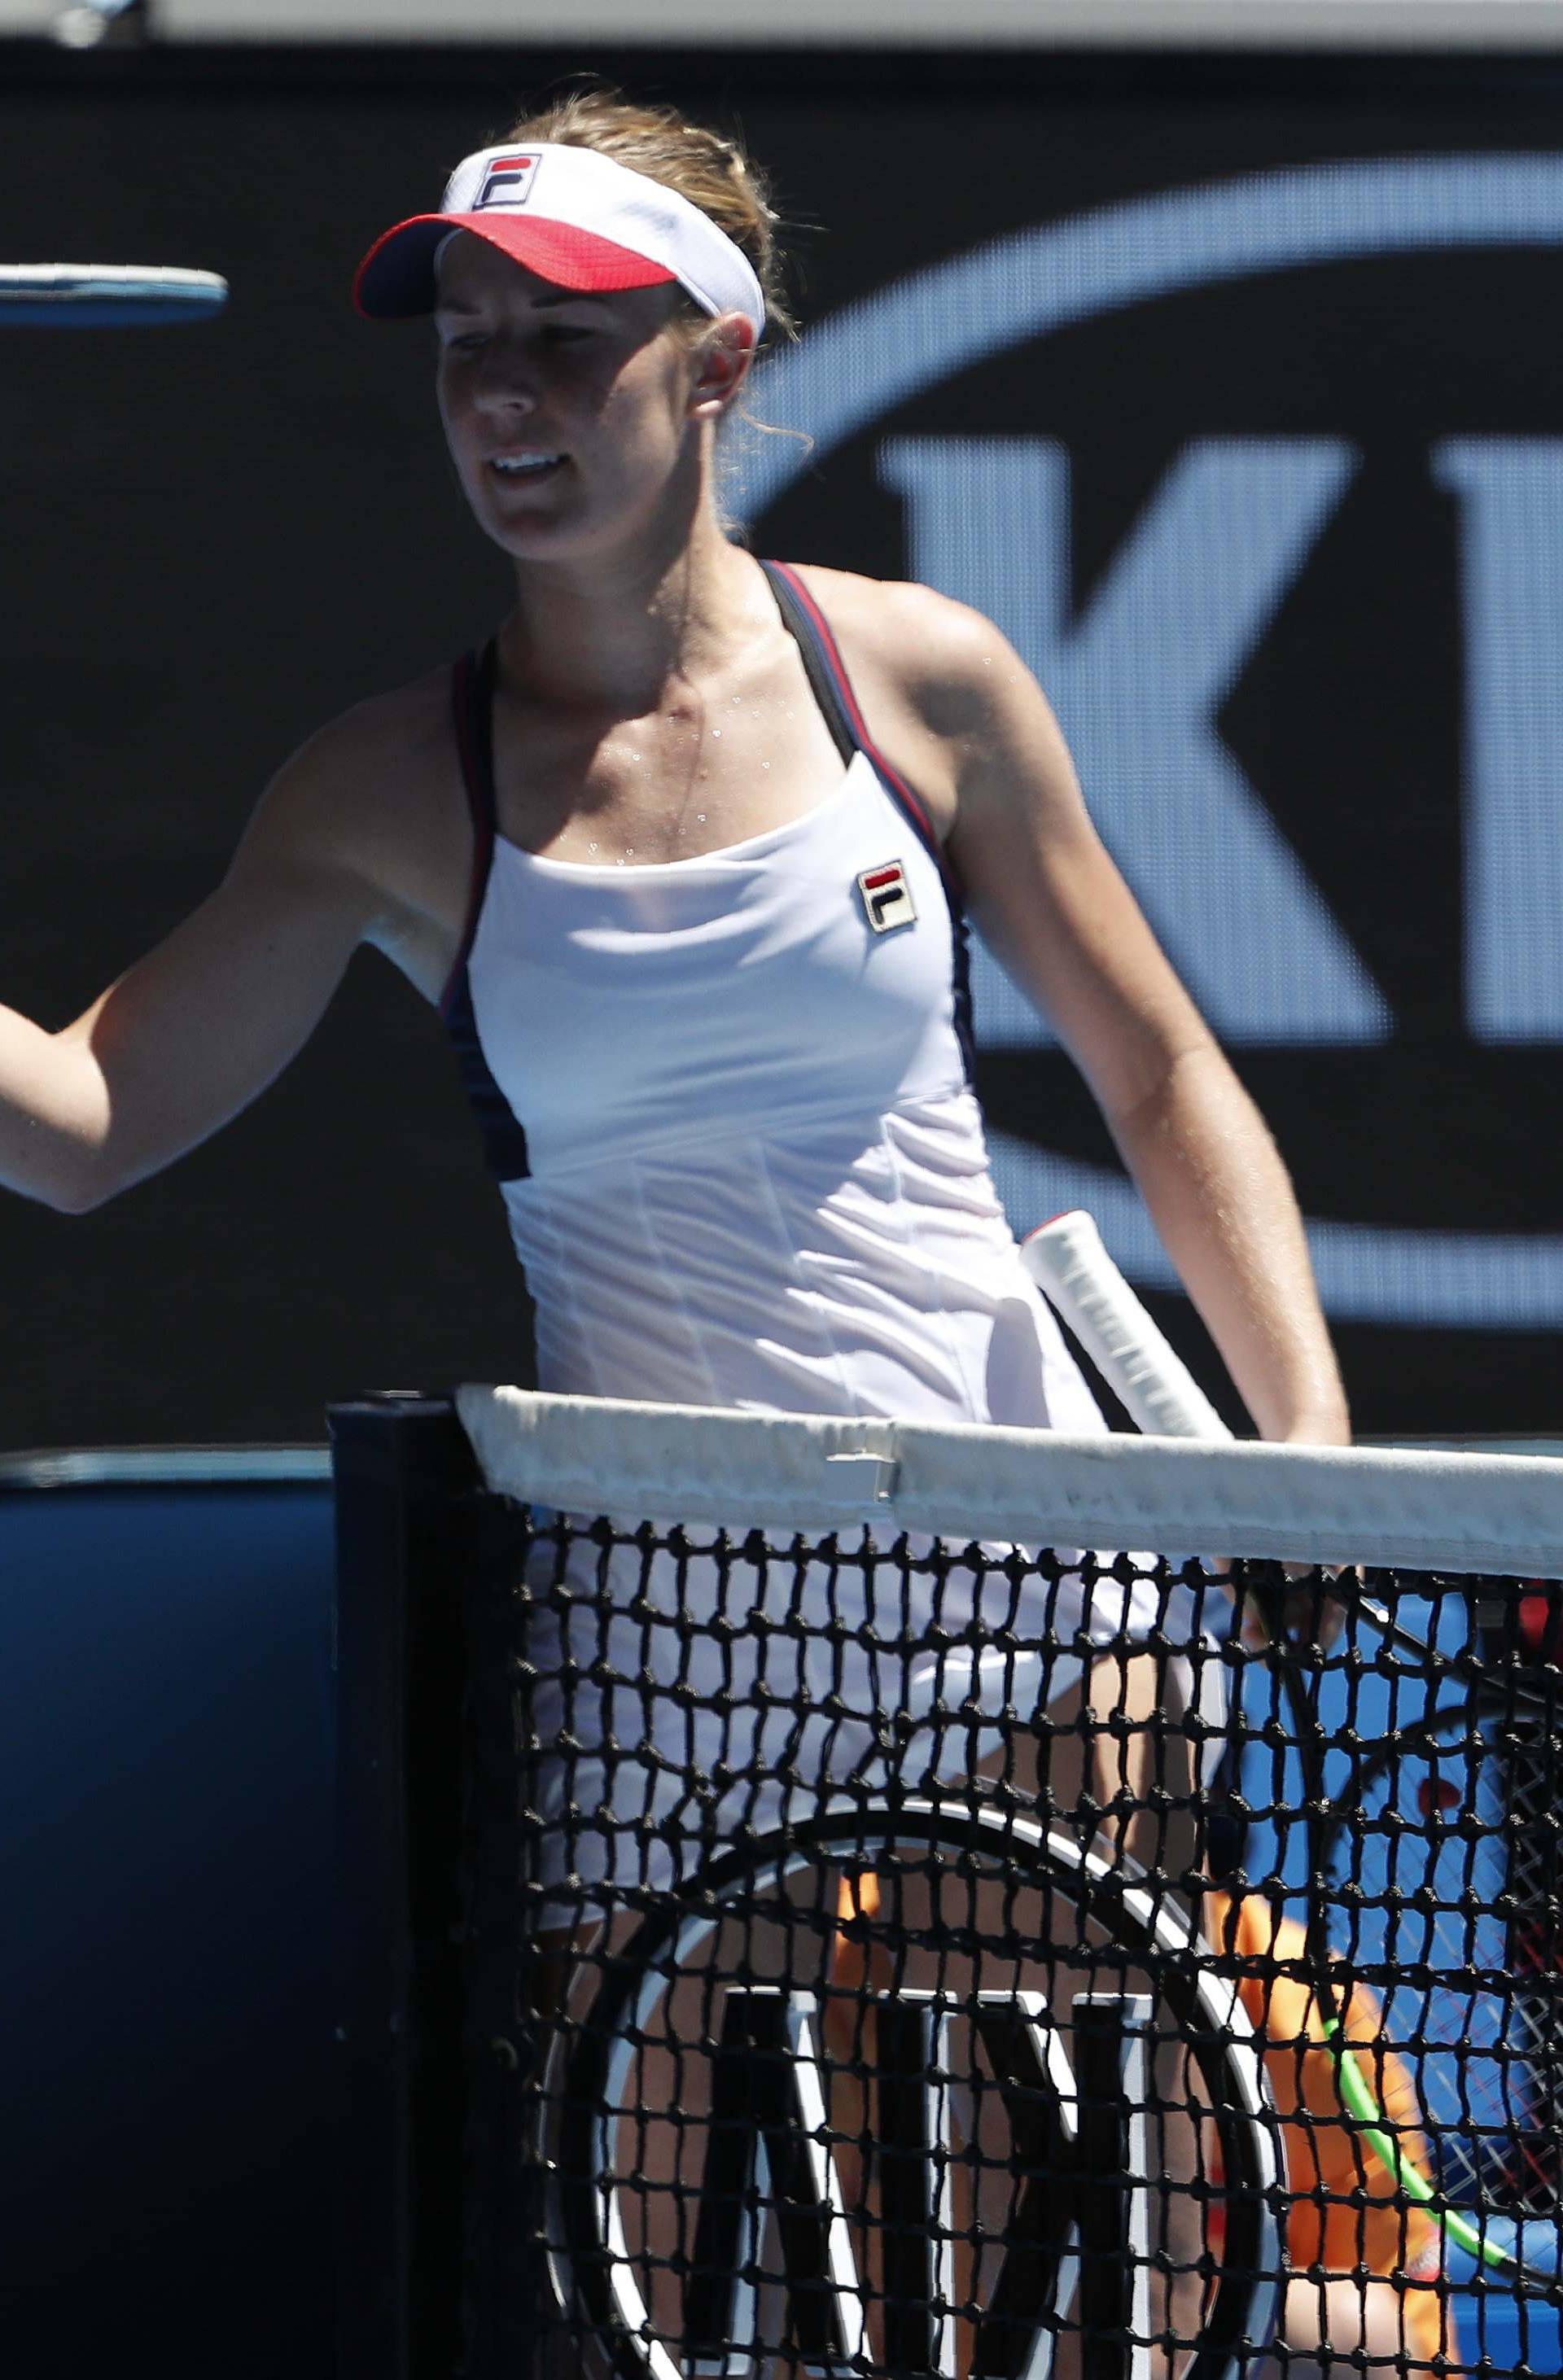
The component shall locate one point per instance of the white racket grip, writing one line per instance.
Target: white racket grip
(1069, 1263)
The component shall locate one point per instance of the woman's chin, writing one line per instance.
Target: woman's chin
(556, 523)
(536, 535)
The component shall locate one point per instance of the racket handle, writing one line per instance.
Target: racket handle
(1069, 1263)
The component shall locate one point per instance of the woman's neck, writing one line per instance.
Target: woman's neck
(620, 634)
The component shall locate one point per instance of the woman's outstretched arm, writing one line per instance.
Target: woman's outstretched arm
(198, 1027)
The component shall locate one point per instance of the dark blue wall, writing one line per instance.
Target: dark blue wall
(164, 1985)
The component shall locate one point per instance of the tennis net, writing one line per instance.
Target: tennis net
(843, 1897)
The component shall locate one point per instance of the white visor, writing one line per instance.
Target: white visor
(581, 220)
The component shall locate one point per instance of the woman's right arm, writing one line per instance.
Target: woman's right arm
(198, 1027)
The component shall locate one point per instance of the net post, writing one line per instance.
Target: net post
(405, 1477)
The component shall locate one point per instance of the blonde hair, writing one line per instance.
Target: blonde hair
(712, 172)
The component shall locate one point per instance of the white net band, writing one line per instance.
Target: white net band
(1401, 1508)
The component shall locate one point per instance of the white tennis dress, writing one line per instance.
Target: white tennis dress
(727, 1100)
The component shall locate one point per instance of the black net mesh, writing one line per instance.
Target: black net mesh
(915, 1958)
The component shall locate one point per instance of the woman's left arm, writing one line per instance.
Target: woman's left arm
(1052, 905)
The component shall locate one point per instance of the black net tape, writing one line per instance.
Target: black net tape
(917, 1958)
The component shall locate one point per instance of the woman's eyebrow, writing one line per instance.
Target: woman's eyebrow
(552, 297)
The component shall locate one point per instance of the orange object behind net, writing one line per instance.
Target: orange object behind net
(1345, 2211)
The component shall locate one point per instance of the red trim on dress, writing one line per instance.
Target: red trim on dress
(892, 776)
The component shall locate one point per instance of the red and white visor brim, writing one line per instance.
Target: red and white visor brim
(577, 218)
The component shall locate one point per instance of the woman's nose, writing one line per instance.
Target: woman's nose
(509, 379)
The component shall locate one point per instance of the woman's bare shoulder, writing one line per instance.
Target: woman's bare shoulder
(371, 809)
(935, 651)
(381, 771)
(928, 674)
(381, 744)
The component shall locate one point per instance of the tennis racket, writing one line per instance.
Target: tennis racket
(1070, 1263)
(107, 297)
(1434, 1873)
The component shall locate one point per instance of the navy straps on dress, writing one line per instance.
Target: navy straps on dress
(472, 687)
(832, 690)
(471, 708)
(825, 684)
(832, 687)
(504, 1140)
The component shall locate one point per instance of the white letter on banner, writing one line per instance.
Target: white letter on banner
(1510, 492)
(1136, 681)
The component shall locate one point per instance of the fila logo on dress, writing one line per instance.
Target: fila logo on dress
(508, 182)
(887, 901)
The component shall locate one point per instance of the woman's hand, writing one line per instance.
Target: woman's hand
(1309, 1609)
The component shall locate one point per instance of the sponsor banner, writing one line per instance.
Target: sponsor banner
(1245, 469)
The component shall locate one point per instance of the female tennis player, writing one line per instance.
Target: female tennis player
(706, 979)
(688, 852)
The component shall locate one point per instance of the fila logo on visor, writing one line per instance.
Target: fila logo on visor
(887, 901)
(508, 182)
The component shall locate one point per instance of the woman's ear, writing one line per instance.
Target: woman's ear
(724, 353)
